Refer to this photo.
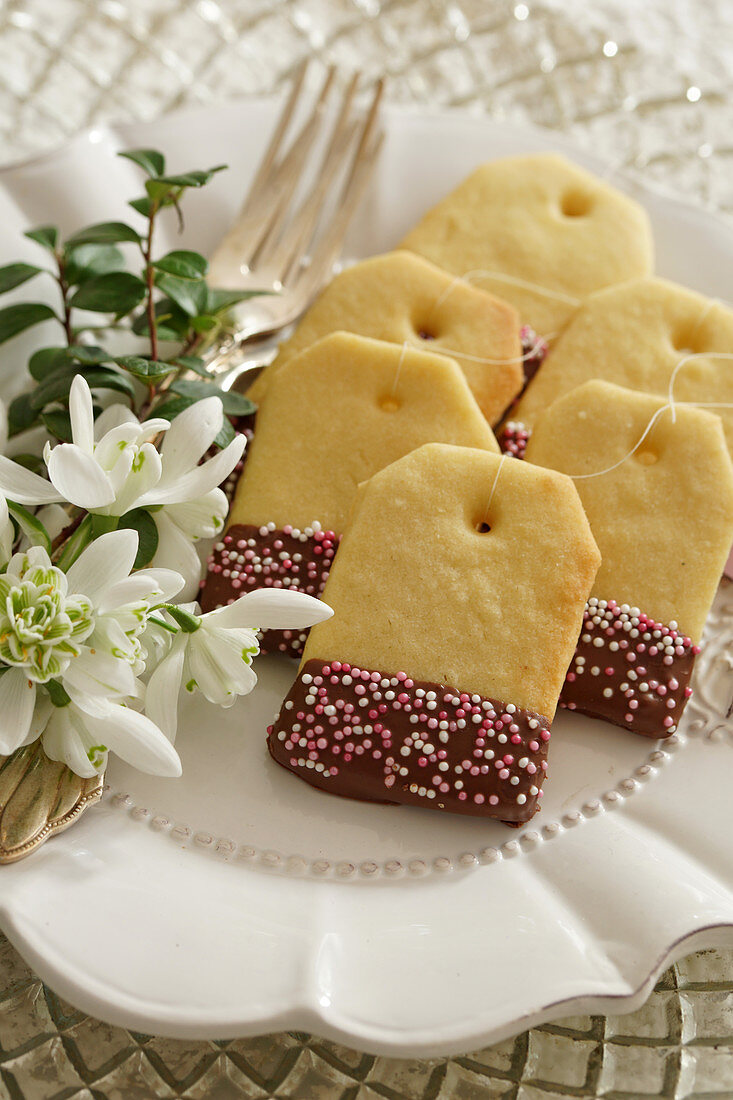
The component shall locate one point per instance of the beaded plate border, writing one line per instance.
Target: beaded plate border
(706, 718)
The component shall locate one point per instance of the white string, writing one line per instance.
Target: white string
(399, 368)
(493, 487)
(709, 305)
(635, 448)
(686, 359)
(510, 359)
(513, 280)
(672, 405)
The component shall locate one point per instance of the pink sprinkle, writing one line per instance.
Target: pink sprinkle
(478, 799)
(493, 799)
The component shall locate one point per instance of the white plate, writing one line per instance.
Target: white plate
(238, 899)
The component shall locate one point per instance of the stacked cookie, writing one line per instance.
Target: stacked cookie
(473, 593)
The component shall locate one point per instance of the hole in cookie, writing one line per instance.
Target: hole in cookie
(483, 527)
(682, 342)
(575, 204)
(647, 458)
(389, 404)
(426, 334)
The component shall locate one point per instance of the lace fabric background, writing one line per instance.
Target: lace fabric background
(648, 85)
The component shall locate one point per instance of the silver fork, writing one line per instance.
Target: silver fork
(278, 243)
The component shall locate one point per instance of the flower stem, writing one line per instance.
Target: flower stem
(64, 287)
(147, 251)
(67, 532)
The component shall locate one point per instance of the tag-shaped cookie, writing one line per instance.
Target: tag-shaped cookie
(663, 521)
(335, 414)
(635, 335)
(458, 594)
(402, 298)
(542, 220)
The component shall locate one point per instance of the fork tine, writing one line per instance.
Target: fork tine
(301, 227)
(315, 274)
(275, 141)
(230, 256)
(270, 213)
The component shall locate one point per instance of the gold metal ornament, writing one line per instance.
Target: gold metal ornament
(39, 797)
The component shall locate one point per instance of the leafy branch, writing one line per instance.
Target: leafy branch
(112, 290)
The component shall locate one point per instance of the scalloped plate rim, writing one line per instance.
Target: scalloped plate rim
(302, 1010)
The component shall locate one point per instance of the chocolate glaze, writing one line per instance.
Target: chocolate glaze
(630, 670)
(249, 557)
(377, 737)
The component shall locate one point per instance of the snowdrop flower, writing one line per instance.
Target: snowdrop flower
(71, 643)
(122, 469)
(214, 652)
(83, 740)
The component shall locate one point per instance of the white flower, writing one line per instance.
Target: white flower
(83, 740)
(42, 625)
(122, 469)
(216, 655)
(71, 644)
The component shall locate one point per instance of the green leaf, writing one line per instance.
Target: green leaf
(12, 275)
(45, 235)
(31, 462)
(187, 622)
(173, 324)
(31, 527)
(203, 323)
(89, 354)
(147, 370)
(160, 191)
(188, 294)
(141, 521)
(150, 160)
(192, 179)
(46, 360)
(21, 414)
(102, 525)
(17, 318)
(56, 387)
(173, 406)
(58, 423)
(186, 265)
(58, 694)
(226, 435)
(87, 260)
(163, 189)
(194, 363)
(104, 233)
(234, 404)
(219, 300)
(143, 206)
(117, 292)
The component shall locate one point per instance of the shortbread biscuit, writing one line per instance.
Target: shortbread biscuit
(335, 414)
(542, 220)
(663, 521)
(402, 298)
(458, 594)
(635, 335)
